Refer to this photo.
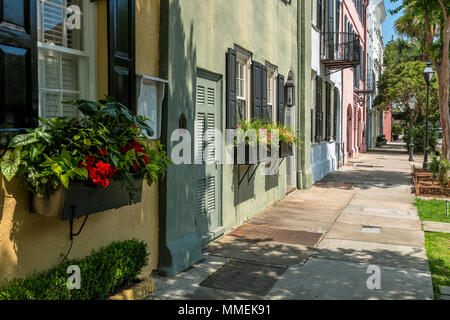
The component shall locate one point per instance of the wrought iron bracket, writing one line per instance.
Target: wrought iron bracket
(363, 96)
(246, 174)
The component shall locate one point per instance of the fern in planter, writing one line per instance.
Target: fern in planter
(107, 143)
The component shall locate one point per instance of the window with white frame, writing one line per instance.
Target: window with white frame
(66, 57)
(271, 110)
(242, 84)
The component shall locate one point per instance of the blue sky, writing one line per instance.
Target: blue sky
(388, 25)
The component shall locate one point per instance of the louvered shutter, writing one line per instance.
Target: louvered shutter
(264, 108)
(256, 90)
(338, 15)
(206, 196)
(231, 89)
(319, 14)
(280, 99)
(328, 112)
(205, 121)
(319, 131)
(18, 64)
(335, 114)
(122, 61)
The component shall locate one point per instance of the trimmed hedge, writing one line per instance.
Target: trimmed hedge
(102, 272)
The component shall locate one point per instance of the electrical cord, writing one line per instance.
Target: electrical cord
(70, 248)
(73, 235)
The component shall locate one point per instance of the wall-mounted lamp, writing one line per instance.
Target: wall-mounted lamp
(289, 89)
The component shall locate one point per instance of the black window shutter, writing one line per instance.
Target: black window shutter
(280, 100)
(328, 112)
(335, 113)
(319, 131)
(122, 61)
(338, 14)
(256, 90)
(319, 13)
(264, 112)
(18, 64)
(231, 89)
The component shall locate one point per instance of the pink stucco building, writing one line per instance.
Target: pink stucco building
(353, 84)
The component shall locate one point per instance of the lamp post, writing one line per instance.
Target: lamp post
(412, 105)
(428, 73)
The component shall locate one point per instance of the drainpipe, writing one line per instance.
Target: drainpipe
(304, 172)
(366, 4)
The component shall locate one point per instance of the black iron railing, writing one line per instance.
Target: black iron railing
(340, 50)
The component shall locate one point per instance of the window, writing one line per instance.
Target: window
(271, 111)
(66, 57)
(242, 84)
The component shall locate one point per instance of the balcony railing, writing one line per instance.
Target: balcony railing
(340, 50)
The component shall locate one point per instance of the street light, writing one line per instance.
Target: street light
(428, 73)
(412, 105)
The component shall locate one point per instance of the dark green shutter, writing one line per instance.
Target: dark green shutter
(328, 111)
(335, 114)
(319, 14)
(231, 89)
(319, 125)
(280, 100)
(122, 60)
(18, 64)
(338, 15)
(264, 112)
(256, 90)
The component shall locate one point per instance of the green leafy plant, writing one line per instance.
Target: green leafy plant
(444, 165)
(419, 138)
(434, 166)
(102, 273)
(263, 133)
(107, 143)
(397, 129)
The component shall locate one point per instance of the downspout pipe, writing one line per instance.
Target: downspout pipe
(366, 4)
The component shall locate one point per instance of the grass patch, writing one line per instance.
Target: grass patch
(438, 252)
(432, 210)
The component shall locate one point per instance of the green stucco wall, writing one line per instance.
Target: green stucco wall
(195, 34)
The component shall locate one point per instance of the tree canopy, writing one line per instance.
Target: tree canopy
(399, 81)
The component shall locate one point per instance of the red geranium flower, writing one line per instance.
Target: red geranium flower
(102, 153)
(90, 160)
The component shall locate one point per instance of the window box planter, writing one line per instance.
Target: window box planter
(286, 149)
(82, 200)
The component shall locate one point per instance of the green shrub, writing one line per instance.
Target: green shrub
(419, 138)
(434, 166)
(102, 272)
(397, 129)
(444, 165)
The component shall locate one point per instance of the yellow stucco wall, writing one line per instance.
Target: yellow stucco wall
(29, 242)
(147, 37)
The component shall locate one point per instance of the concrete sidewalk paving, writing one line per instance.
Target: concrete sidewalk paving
(322, 243)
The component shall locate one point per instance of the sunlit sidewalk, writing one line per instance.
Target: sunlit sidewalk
(354, 235)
